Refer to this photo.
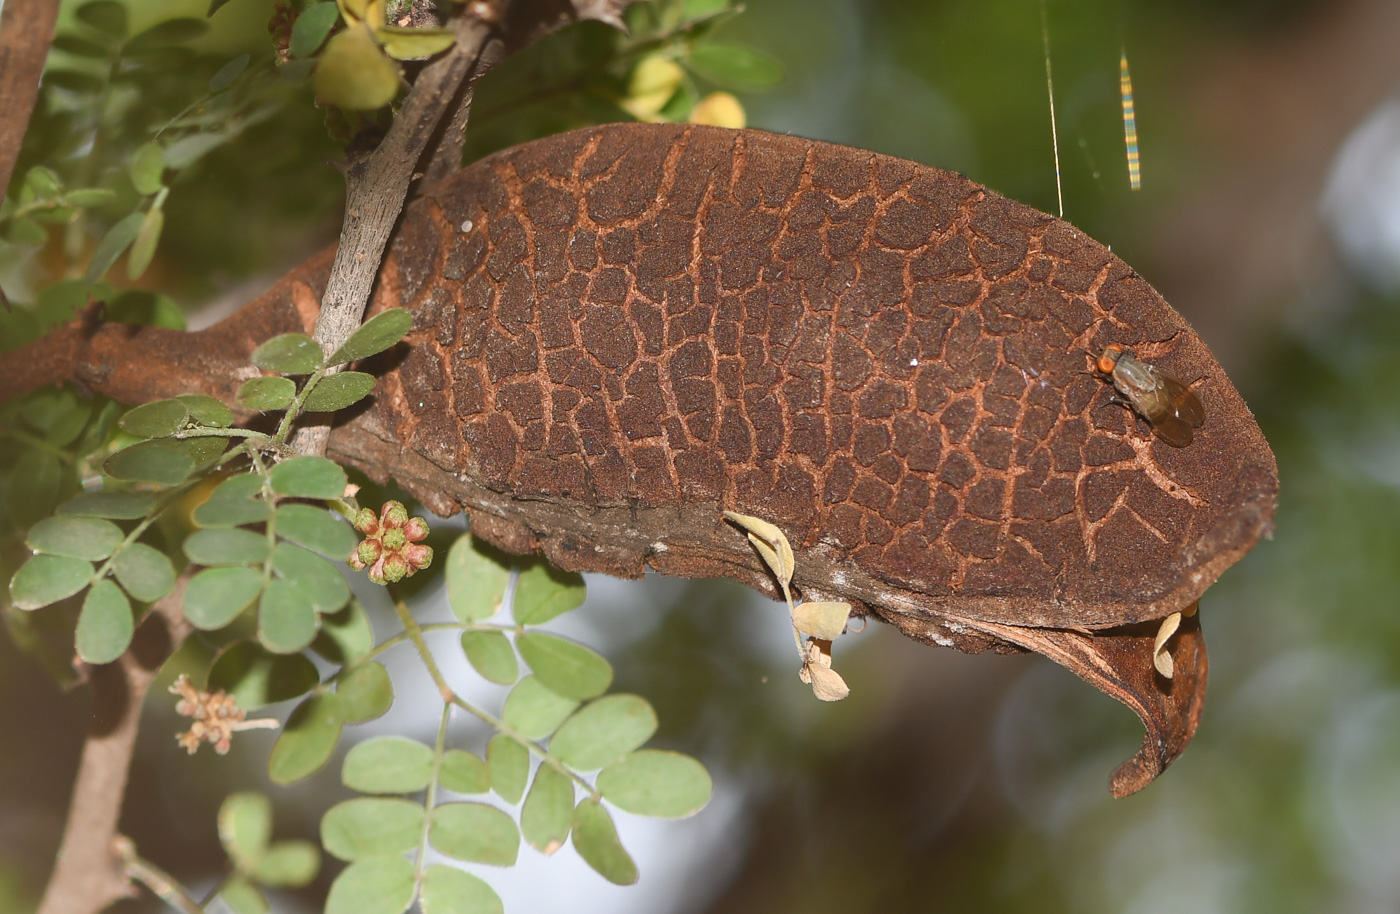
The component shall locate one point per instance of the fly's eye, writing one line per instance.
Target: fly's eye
(1107, 364)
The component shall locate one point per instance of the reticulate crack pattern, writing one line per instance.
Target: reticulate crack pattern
(885, 360)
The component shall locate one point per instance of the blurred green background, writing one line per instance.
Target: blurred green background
(1269, 216)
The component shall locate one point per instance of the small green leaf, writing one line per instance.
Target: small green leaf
(143, 248)
(44, 479)
(81, 47)
(67, 421)
(187, 150)
(116, 505)
(241, 485)
(463, 772)
(245, 827)
(309, 477)
(58, 215)
(544, 592)
(345, 635)
(375, 885)
(734, 67)
(118, 238)
(548, 810)
(242, 897)
(307, 740)
(317, 578)
(106, 16)
(25, 231)
(448, 890)
(146, 168)
(595, 839)
(475, 832)
(203, 451)
(354, 74)
(145, 572)
(105, 625)
(374, 336)
(534, 710)
(288, 864)
(338, 391)
(42, 183)
(225, 75)
(148, 461)
(226, 547)
(171, 31)
(311, 28)
(255, 677)
(702, 9)
(75, 537)
(652, 782)
(566, 668)
(366, 692)
(318, 529)
(156, 419)
(476, 579)
(414, 44)
(46, 579)
(231, 512)
(604, 731)
(265, 394)
(388, 764)
(370, 826)
(290, 353)
(287, 619)
(490, 653)
(509, 764)
(216, 596)
(207, 410)
(89, 196)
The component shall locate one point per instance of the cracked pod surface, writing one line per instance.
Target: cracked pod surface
(621, 331)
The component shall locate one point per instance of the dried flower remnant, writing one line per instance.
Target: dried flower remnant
(826, 683)
(216, 717)
(392, 548)
(822, 621)
(1161, 658)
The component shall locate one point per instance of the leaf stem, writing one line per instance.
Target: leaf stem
(430, 800)
(415, 634)
(162, 884)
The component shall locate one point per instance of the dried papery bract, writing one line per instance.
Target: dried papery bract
(823, 621)
(1161, 657)
(826, 683)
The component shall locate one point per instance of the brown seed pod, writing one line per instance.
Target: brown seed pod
(622, 331)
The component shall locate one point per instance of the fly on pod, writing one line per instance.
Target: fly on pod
(1169, 406)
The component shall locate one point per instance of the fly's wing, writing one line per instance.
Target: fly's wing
(1181, 401)
(1173, 430)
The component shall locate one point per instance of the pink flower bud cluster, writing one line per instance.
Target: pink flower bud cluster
(216, 716)
(392, 548)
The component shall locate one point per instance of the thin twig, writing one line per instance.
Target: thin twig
(375, 191)
(89, 874)
(26, 31)
(415, 634)
(162, 884)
